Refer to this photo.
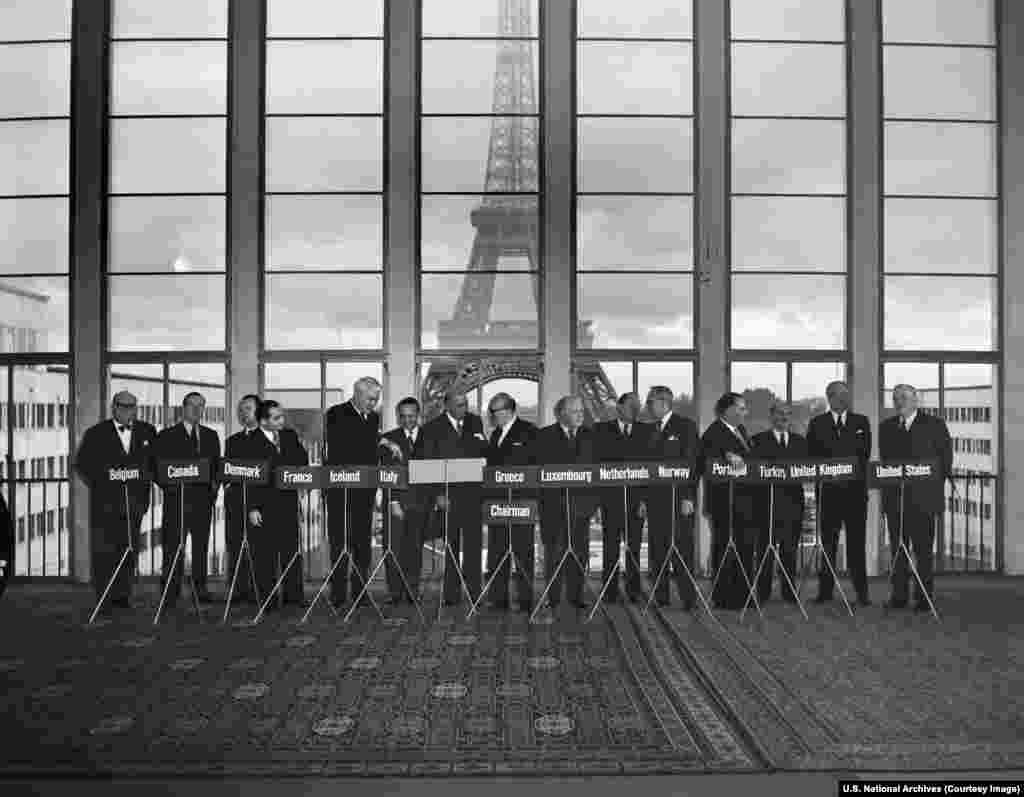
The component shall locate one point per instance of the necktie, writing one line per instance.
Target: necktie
(628, 429)
(194, 438)
(903, 424)
(123, 429)
(572, 435)
(458, 427)
(277, 442)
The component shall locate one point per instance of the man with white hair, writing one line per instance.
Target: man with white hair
(352, 432)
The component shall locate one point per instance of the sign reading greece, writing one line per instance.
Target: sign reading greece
(182, 471)
(248, 471)
(297, 477)
(127, 474)
(518, 511)
(894, 471)
(644, 472)
(511, 476)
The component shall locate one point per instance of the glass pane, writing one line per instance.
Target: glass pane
(475, 18)
(43, 19)
(341, 378)
(324, 154)
(634, 232)
(923, 376)
(456, 154)
(525, 392)
(173, 234)
(626, 313)
(808, 396)
(33, 314)
(789, 233)
(34, 236)
(460, 77)
(823, 20)
(507, 319)
(641, 155)
(5, 420)
(316, 18)
(761, 384)
(635, 78)
(167, 313)
(150, 156)
(969, 397)
(34, 157)
(325, 77)
(938, 21)
(944, 159)
(961, 83)
(601, 384)
(655, 19)
(505, 226)
(675, 375)
(324, 232)
(169, 78)
(936, 235)
(788, 156)
(154, 19)
(788, 312)
(36, 80)
(788, 80)
(324, 311)
(951, 313)
(291, 376)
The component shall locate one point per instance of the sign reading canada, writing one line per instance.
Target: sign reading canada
(524, 511)
(248, 471)
(170, 472)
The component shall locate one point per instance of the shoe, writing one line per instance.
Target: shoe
(891, 604)
(203, 596)
(122, 603)
(500, 605)
(611, 597)
(863, 600)
(447, 602)
(688, 605)
(922, 606)
(789, 598)
(579, 604)
(526, 607)
(635, 597)
(823, 599)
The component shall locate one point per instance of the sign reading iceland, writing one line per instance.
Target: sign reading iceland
(776, 471)
(248, 471)
(127, 474)
(182, 471)
(297, 477)
(338, 476)
(519, 511)
(511, 476)
(644, 473)
(895, 471)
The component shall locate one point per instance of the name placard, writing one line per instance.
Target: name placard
(511, 476)
(392, 476)
(619, 473)
(566, 475)
(338, 476)
(892, 472)
(247, 471)
(127, 474)
(515, 512)
(298, 477)
(171, 472)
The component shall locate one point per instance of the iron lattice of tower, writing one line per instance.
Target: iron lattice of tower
(506, 225)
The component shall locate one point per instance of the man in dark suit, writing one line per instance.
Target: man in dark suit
(842, 433)
(455, 434)
(352, 431)
(274, 513)
(726, 439)
(673, 437)
(6, 544)
(234, 512)
(122, 441)
(188, 440)
(779, 443)
(566, 442)
(511, 443)
(404, 528)
(913, 435)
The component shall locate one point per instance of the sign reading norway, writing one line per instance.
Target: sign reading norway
(518, 511)
(756, 471)
(895, 471)
(644, 473)
(244, 471)
(170, 472)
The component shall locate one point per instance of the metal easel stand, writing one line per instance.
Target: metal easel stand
(383, 559)
(820, 549)
(569, 551)
(902, 548)
(509, 554)
(244, 550)
(773, 550)
(345, 554)
(731, 546)
(449, 553)
(174, 565)
(124, 557)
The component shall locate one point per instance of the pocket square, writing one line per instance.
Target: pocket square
(517, 443)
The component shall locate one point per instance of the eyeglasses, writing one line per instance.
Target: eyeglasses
(124, 406)
(497, 410)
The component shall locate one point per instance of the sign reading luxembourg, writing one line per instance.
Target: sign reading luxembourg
(247, 471)
(182, 471)
(759, 471)
(517, 511)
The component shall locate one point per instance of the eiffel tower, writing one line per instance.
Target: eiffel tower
(506, 227)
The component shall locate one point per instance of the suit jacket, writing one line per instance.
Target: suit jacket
(677, 441)
(234, 448)
(409, 497)
(552, 447)
(6, 544)
(765, 446)
(281, 505)
(173, 443)
(101, 449)
(516, 448)
(853, 441)
(716, 442)
(611, 445)
(441, 441)
(351, 440)
(928, 439)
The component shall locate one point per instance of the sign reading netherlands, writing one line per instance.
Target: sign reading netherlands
(182, 471)
(297, 477)
(895, 471)
(127, 474)
(644, 473)
(518, 511)
(248, 471)
(781, 471)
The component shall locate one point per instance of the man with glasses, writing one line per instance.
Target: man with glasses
(511, 443)
(123, 441)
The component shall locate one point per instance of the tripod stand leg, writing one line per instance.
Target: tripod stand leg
(600, 598)
(366, 591)
(277, 587)
(234, 578)
(505, 557)
(323, 587)
(657, 581)
(551, 581)
(693, 581)
(110, 584)
(169, 580)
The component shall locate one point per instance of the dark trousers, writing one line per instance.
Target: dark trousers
(731, 591)
(234, 520)
(273, 545)
(919, 534)
(360, 530)
(465, 536)
(107, 545)
(660, 517)
(843, 507)
(198, 512)
(619, 513)
(405, 537)
(788, 518)
(287, 536)
(556, 539)
(520, 537)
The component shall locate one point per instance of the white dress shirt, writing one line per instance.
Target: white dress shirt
(454, 423)
(838, 418)
(910, 420)
(270, 434)
(735, 431)
(664, 421)
(782, 438)
(504, 430)
(126, 436)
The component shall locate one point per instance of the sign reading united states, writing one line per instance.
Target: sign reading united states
(895, 471)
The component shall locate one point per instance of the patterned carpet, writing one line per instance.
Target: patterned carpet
(627, 693)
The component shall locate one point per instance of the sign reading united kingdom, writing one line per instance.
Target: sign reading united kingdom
(249, 471)
(297, 477)
(182, 471)
(895, 471)
(518, 511)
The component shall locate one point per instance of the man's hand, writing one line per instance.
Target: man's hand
(395, 449)
(733, 458)
(687, 507)
(441, 502)
(641, 510)
(255, 518)
(396, 510)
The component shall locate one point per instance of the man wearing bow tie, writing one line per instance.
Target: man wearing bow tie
(842, 433)
(188, 440)
(234, 512)
(456, 434)
(121, 441)
(779, 443)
